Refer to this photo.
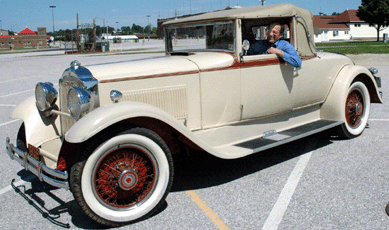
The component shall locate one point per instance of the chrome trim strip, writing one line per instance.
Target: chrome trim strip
(38, 168)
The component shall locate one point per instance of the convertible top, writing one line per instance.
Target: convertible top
(279, 10)
(285, 10)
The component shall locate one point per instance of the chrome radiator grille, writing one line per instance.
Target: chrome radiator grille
(64, 86)
(77, 76)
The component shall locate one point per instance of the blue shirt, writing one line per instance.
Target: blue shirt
(290, 54)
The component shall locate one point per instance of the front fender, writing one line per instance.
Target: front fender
(333, 107)
(38, 129)
(106, 116)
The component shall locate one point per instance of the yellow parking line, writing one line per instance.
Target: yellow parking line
(205, 208)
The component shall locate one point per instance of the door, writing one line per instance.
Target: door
(267, 86)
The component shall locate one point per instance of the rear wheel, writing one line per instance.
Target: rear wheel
(356, 111)
(125, 179)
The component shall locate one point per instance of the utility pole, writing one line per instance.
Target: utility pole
(78, 36)
(52, 7)
(94, 35)
(12, 29)
(148, 22)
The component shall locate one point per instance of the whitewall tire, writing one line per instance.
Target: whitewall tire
(356, 110)
(125, 179)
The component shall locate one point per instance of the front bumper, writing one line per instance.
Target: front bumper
(38, 168)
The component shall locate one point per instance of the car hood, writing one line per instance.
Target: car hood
(162, 66)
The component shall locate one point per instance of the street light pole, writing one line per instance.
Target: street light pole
(12, 29)
(148, 23)
(263, 1)
(52, 8)
(1, 27)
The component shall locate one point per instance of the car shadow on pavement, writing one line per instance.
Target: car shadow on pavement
(203, 170)
(40, 189)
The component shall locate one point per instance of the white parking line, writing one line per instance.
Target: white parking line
(21, 182)
(8, 95)
(277, 213)
(9, 122)
(5, 105)
(19, 79)
(378, 119)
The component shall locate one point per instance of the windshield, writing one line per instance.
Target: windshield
(209, 36)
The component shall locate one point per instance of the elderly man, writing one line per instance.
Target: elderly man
(273, 45)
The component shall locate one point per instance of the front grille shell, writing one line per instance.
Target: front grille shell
(77, 76)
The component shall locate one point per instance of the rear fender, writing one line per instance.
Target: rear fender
(333, 107)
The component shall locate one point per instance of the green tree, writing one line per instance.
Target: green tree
(376, 13)
(99, 31)
(147, 29)
(136, 28)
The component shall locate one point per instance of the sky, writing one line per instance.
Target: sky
(19, 14)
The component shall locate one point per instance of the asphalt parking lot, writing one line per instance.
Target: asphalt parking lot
(319, 182)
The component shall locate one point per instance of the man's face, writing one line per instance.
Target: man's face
(273, 33)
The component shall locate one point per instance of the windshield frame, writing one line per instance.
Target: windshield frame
(169, 36)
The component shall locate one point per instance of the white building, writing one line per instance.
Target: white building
(122, 37)
(329, 32)
(346, 26)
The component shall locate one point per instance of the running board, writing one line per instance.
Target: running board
(272, 138)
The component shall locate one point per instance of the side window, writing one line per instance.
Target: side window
(259, 32)
(256, 31)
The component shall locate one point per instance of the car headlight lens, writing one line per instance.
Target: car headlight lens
(79, 102)
(45, 95)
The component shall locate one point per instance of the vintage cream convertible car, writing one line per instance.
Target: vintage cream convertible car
(116, 128)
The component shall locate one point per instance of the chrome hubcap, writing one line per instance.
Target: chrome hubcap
(359, 108)
(128, 179)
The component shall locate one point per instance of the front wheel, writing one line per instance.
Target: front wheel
(356, 110)
(125, 179)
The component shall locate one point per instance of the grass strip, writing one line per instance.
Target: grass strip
(354, 47)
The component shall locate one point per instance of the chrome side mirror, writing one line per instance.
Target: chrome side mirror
(245, 47)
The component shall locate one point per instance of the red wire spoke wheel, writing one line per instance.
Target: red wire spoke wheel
(356, 110)
(125, 176)
(122, 177)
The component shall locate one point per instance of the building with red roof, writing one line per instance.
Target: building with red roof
(345, 26)
(24, 39)
(324, 31)
(346, 17)
(27, 31)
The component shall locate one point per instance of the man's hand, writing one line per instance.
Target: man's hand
(275, 51)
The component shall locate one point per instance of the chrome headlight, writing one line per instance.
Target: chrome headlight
(79, 102)
(45, 95)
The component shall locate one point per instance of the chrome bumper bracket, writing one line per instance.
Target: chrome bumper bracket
(38, 168)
